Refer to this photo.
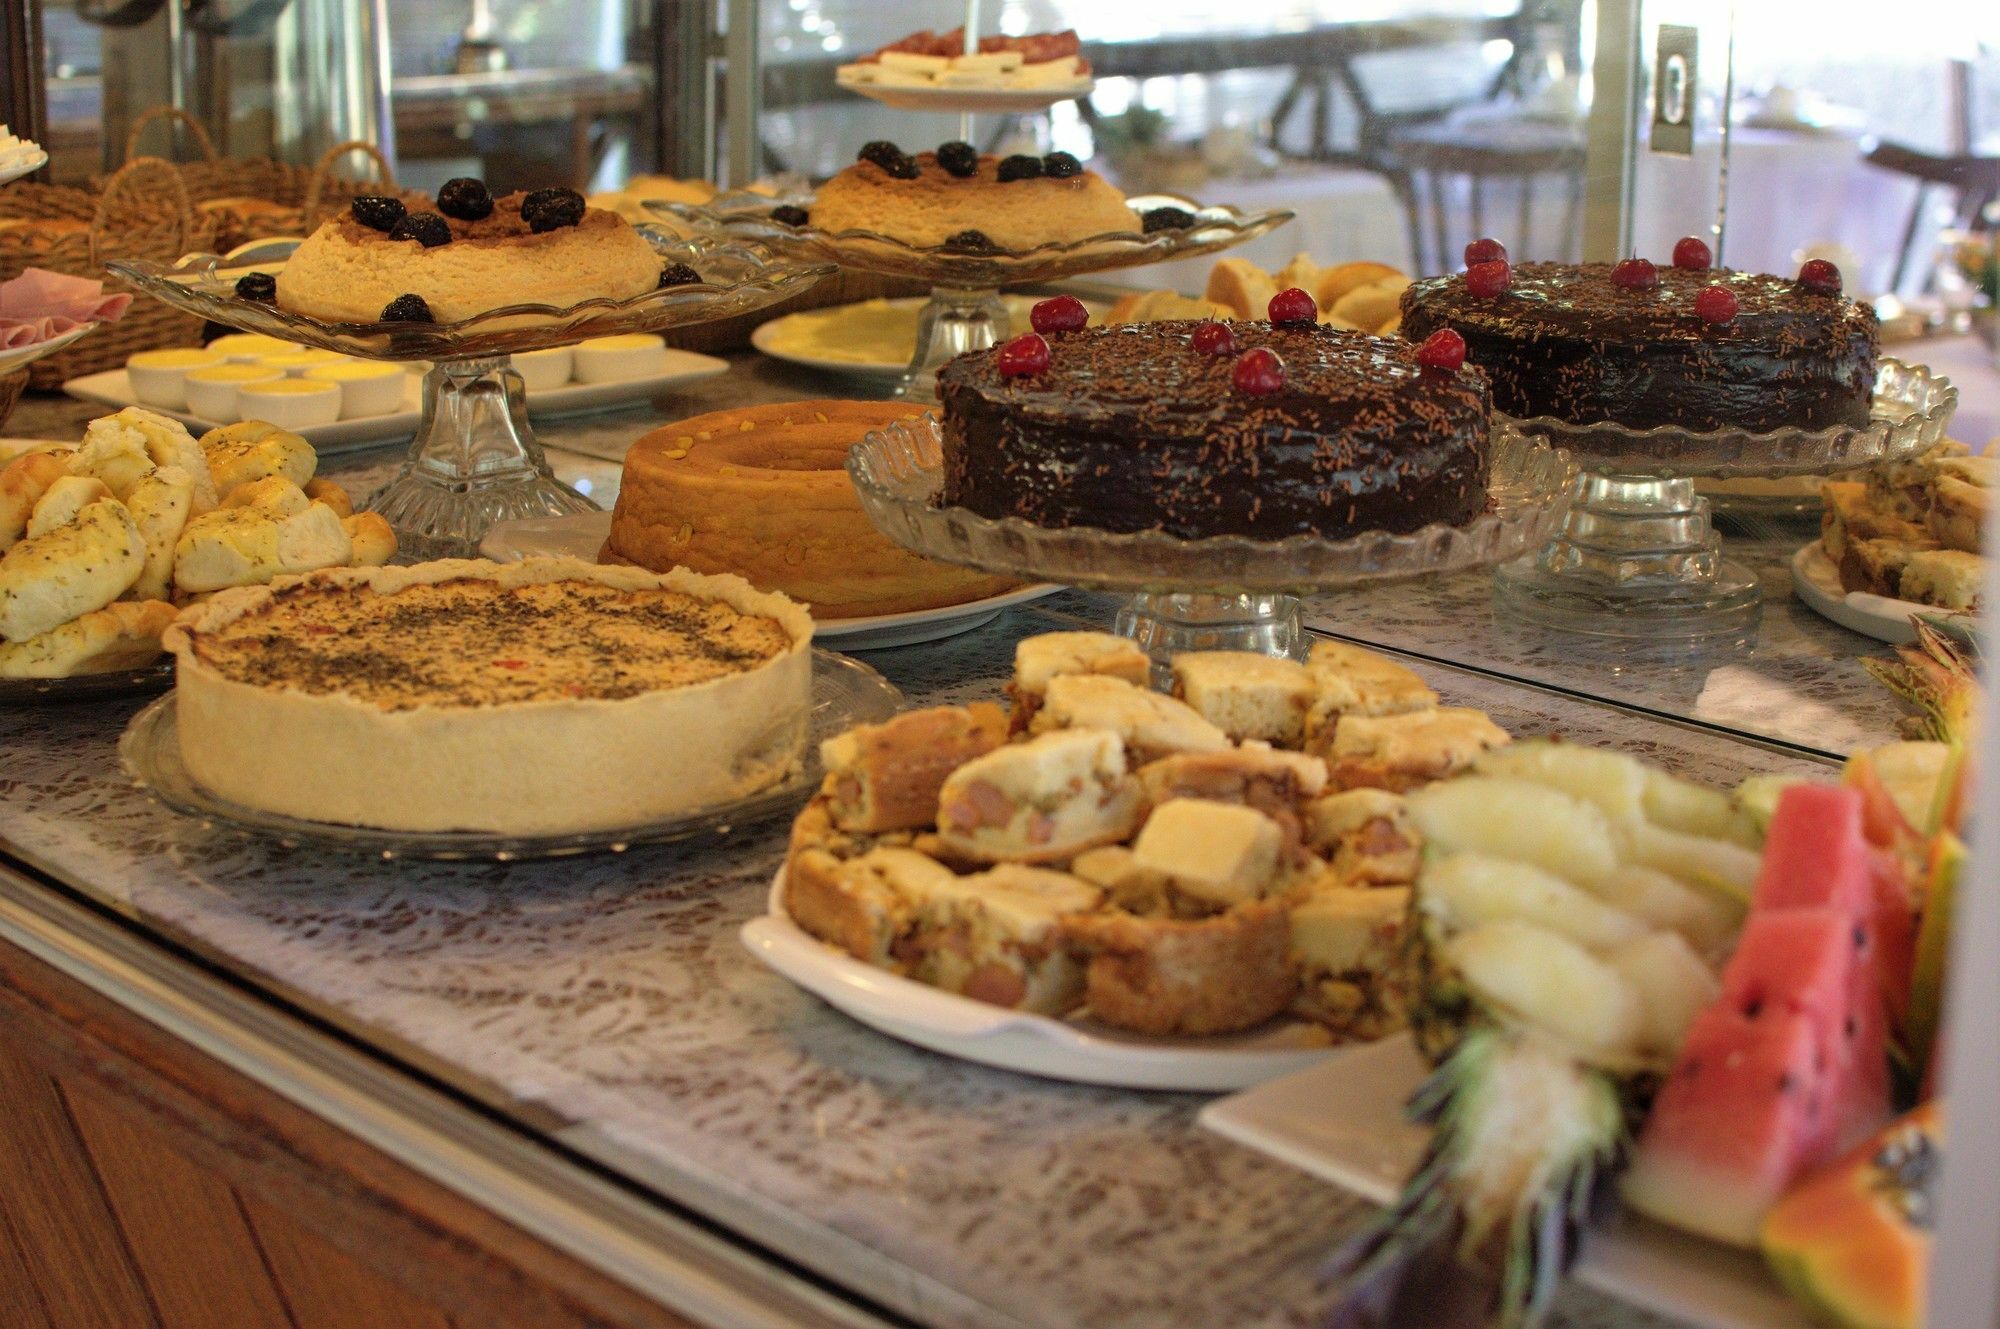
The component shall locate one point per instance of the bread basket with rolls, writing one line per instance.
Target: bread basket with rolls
(143, 212)
(256, 198)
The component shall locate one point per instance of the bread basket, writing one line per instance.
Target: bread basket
(256, 198)
(143, 212)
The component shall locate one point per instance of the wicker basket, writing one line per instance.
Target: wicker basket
(279, 199)
(143, 213)
(11, 387)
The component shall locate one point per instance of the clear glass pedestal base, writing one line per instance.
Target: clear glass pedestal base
(1165, 624)
(474, 461)
(1637, 557)
(956, 320)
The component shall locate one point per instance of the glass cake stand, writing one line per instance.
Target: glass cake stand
(965, 312)
(1224, 592)
(474, 460)
(1638, 556)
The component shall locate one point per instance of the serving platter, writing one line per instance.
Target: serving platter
(845, 693)
(142, 682)
(770, 338)
(1342, 1121)
(113, 387)
(1077, 1050)
(1817, 582)
(582, 535)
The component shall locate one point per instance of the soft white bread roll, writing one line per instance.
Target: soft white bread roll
(50, 579)
(253, 449)
(1368, 306)
(1242, 286)
(162, 442)
(63, 501)
(374, 540)
(161, 504)
(1301, 272)
(22, 485)
(331, 494)
(273, 495)
(115, 456)
(249, 545)
(125, 634)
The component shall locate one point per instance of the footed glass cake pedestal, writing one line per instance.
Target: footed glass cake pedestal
(1638, 556)
(965, 312)
(1224, 592)
(474, 460)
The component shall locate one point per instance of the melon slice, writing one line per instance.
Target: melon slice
(1734, 1125)
(1815, 853)
(1790, 1064)
(1854, 1240)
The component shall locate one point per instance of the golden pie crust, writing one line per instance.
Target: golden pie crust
(541, 697)
(927, 211)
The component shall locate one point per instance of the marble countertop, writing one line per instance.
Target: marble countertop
(608, 1003)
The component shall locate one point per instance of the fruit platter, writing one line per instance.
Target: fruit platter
(1687, 1038)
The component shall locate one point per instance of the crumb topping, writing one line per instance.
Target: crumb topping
(473, 643)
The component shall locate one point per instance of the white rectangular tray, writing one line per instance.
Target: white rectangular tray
(114, 388)
(1342, 1120)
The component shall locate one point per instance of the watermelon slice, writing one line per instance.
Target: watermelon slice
(1734, 1125)
(1790, 1064)
(1816, 853)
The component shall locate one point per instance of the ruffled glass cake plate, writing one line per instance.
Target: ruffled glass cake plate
(1638, 556)
(845, 693)
(474, 460)
(1222, 592)
(966, 312)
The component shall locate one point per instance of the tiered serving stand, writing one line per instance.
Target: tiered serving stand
(1638, 556)
(1219, 593)
(966, 312)
(474, 460)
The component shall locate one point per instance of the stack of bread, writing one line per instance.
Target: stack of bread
(1911, 530)
(1361, 297)
(1194, 863)
(101, 544)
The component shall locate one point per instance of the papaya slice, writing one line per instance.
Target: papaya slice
(1854, 1240)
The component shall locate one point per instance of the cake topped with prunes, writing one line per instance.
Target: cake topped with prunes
(961, 199)
(1644, 345)
(1198, 428)
(381, 260)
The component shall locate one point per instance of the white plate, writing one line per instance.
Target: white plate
(978, 101)
(1817, 582)
(1342, 1121)
(18, 356)
(113, 387)
(26, 166)
(766, 337)
(582, 535)
(1074, 1050)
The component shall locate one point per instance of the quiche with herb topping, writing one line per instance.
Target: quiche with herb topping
(540, 697)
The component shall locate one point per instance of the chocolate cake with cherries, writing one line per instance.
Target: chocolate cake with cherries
(1577, 343)
(1147, 426)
